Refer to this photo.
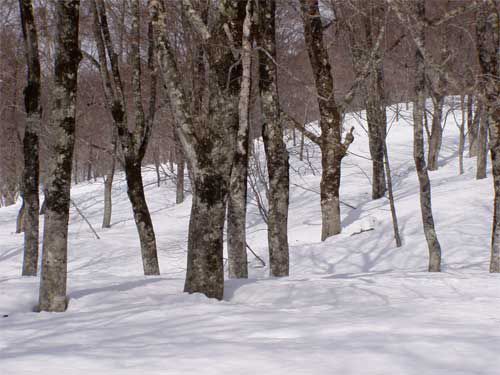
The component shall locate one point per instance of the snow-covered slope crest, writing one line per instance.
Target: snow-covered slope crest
(354, 304)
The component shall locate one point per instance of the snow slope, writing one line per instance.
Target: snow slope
(354, 304)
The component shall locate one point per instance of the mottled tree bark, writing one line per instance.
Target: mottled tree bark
(133, 143)
(418, 146)
(31, 178)
(488, 50)
(472, 124)
(237, 201)
(208, 143)
(58, 184)
(108, 186)
(274, 146)
(332, 148)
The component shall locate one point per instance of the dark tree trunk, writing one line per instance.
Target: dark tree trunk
(275, 148)
(133, 143)
(179, 180)
(332, 148)
(461, 141)
(482, 146)
(472, 124)
(31, 178)
(20, 222)
(142, 217)
(436, 134)
(58, 185)
(418, 148)
(488, 49)
(237, 201)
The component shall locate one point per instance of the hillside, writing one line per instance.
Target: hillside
(354, 304)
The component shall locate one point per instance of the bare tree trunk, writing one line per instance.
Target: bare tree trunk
(418, 147)
(436, 134)
(179, 180)
(461, 141)
(482, 146)
(488, 50)
(332, 148)
(133, 143)
(208, 149)
(58, 185)
(31, 175)
(472, 125)
(237, 201)
(395, 226)
(20, 221)
(108, 186)
(275, 148)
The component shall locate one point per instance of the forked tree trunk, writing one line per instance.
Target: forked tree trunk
(275, 148)
(29, 218)
(58, 185)
(237, 201)
(436, 134)
(418, 147)
(332, 148)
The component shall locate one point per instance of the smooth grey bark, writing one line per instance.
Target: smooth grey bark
(333, 149)
(208, 146)
(31, 175)
(418, 146)
(133, 143)
(237, 200)
(62, 134)
(274, 146)
(488, 50)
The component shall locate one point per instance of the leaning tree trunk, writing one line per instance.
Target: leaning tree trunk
(436, 134)
(62, 136)
(275, 148)
(237, 201)
(418, 149)
(142, 217)
(31, 179)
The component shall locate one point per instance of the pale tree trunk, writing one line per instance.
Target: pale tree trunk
(332, 148)
(418, 147)
(133, 143)
(108, 186)
(274, 145)
(62, 136)
(208, 148)
(237, 201)
(488, 49)
(482, 146)
(31, 179)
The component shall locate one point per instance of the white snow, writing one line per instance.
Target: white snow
(352, 304)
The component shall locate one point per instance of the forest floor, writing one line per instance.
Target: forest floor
(354, 304)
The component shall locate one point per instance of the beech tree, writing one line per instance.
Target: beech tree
(208, 141)
(274, 146)
(31, 180)
(133, 143)
(333, 149)
(67, 57)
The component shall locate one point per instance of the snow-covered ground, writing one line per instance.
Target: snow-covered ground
(354, 304)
